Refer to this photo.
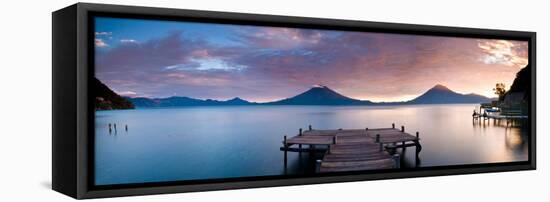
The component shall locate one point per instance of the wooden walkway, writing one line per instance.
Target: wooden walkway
(499, 116)
(353, 149)
(510, 118)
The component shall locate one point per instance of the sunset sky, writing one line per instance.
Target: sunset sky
(145, 58)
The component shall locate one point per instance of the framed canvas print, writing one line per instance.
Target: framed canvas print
(154, 100)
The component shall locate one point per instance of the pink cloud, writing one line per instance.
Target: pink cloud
(100, 43)
(510, 53)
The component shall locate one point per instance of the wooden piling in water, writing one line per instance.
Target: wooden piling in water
(318, 165)
(300, 132)
(402, 128)
(286, 148)
(380, 144)
(397, 160)
(393, 125)
(310, 128)
(418, 148)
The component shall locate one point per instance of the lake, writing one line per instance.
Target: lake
(169, 144)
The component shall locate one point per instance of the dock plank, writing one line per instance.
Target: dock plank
(310, 139)
(356, 165)
(355, 157)
(368, 150)
(357, 139)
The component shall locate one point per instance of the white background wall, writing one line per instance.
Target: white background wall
(25, 102)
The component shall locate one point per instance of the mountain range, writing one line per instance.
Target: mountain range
(176, 101)
(317, 95)
(440, 94)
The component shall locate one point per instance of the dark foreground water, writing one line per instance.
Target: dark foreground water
(220, 142)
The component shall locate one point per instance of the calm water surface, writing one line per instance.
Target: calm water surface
(236, 141)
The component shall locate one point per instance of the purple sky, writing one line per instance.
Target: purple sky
(161, 59)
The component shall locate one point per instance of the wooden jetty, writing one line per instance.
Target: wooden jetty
(510, 116)
(353, 149)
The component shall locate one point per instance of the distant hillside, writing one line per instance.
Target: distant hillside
(319, 95)
(440, 94)
(142, 102)
(176, 101)
(106, 99)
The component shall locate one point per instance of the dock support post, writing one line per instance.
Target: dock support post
(318, 165)
(300, 132)
(380, 145)
(402, 128)
(393, 125)
(286, 148)
(334, 140)
(310, 127)
(397, 160)
(418, 148)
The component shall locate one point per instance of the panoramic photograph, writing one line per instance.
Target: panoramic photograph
(180, 101)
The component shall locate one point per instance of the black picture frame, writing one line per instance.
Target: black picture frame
(73, 110)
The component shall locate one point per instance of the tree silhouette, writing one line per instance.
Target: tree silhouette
(500, 90)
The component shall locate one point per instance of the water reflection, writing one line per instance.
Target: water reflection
(515, 136)
(515, 140)
(220, 142)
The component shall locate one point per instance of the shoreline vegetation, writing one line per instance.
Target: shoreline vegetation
(107, 99)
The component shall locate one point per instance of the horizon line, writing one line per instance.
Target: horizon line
(313, 86)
